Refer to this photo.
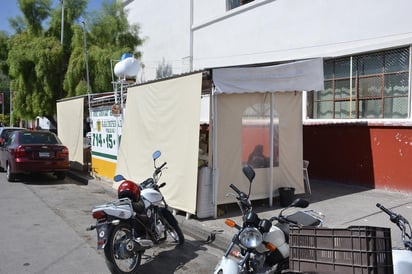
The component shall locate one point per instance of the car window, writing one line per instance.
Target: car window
(6, 133)
(10, 140)
(38, 138)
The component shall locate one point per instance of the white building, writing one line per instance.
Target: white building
(365, 46)
(192, 35)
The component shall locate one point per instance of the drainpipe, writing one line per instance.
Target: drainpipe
(191, 37)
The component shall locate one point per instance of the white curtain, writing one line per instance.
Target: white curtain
(230, 109)
(164, 116)
(70, 127)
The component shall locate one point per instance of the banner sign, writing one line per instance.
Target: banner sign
(106, 133)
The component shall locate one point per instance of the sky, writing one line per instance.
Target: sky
(9, 8)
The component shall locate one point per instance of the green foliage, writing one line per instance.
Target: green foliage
(109, 37)
(34, 65)
(43, 70)
(4, 68)
(5, 120)
(35, 12)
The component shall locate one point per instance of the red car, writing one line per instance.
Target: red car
(35, 151)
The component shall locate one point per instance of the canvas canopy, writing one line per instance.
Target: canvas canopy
(259, 107)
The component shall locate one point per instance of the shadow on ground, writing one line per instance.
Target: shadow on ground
(321, 191)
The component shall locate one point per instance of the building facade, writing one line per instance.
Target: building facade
(358, 129)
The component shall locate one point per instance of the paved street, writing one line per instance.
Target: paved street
(44, 225)
(44, 231)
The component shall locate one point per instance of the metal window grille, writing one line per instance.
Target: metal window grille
(364, 86)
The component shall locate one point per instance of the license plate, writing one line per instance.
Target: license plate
(44, 154)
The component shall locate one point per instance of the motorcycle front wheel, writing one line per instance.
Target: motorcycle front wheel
(121, 256)
(173, 226)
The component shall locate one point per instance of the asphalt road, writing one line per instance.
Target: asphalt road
(43, 230)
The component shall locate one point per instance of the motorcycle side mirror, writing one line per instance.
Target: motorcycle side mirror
(249, 173)
(300, 203)
(156, 154)
(119, 178)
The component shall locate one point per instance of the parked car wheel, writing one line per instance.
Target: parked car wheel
(60, 175)
(11, 177)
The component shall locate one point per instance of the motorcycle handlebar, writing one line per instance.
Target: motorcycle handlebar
(232, 186)
(395, 218)
(162, 165)
(384, 209)
(159, 169)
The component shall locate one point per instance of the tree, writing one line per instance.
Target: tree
(34, 61)
(35, 12)
(4, 68)
(34, 64)
(43, 70)
(108, 36)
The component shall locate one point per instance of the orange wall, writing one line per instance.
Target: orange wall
(375, 156)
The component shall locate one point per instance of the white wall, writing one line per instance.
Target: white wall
(266, 30)
(165, 27)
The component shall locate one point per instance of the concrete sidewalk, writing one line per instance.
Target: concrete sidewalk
(343, 206)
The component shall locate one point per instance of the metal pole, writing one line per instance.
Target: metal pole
(191, 37)
(86, 57)
(62, 29)
(215, 178)
(271, 135)
(11, 105)
(87, 66)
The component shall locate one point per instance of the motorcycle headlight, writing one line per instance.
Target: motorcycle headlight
(250, 237)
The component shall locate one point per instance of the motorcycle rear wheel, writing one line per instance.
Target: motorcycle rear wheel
(118, 258)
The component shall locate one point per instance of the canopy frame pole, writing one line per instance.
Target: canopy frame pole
(215, 180)
(271, 149)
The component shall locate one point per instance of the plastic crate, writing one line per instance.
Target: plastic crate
(356, 249)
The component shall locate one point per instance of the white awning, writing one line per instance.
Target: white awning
(294, 76)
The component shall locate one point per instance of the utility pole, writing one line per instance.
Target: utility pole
(62, 29)
(61, 41)
(86, 57)
(87, 65)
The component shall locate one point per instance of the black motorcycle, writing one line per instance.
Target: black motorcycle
(259, 246)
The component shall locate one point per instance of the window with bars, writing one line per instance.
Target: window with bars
(368, 86)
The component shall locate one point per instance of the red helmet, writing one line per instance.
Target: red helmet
(128, 189)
